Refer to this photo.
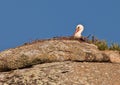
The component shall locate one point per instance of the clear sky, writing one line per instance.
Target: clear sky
(26, 20)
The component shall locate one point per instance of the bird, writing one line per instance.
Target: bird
(76, 36)
(78, 31)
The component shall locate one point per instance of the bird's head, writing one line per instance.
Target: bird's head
(79, 28)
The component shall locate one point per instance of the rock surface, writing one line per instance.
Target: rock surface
(59, 62)
(64, 73)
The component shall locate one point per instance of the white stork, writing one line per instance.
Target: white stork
(79, 30)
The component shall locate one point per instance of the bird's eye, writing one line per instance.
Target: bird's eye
(78, 27)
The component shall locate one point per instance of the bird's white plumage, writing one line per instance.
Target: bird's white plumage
(79, 30)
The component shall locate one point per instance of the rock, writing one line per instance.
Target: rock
(59, 62)
(52, 51)
(64, 73)
(114, 56)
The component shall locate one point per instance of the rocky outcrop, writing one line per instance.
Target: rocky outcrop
(59, 62)
(64, 73)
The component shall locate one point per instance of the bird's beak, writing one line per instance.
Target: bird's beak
(76, 30)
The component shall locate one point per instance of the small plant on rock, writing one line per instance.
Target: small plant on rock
(114, 46)
(102, 45)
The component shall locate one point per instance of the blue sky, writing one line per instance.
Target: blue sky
(26, 20)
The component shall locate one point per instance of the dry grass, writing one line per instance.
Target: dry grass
(103, 45)
(114, 46)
